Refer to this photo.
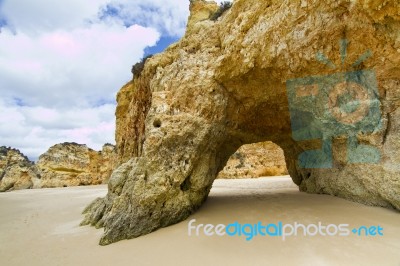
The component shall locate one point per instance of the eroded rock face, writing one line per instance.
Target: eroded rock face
(255, 160)
(63, 165)
(229, 82)
(107, 162)
(16, 171)
(72, 164)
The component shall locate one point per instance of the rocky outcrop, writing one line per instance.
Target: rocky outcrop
(107, 162)
(16, 171)
(72, 164)
(134, 99)
(318, 78)
(255, 160)
(63, 165)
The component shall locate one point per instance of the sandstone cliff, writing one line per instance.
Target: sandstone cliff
(71, 164)
(16, 171)
(66, 164)
(255, 160)
(107, 162)
(228, 83)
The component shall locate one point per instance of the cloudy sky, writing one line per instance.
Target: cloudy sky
(62, 63)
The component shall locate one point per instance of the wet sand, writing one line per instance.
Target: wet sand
(41, 227)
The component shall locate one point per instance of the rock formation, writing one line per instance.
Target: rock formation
(16, 171)
(255, 160)
(107, 162)
(72, 164)
(229, 83)
(63, 165)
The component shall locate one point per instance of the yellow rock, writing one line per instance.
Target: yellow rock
(226, 84)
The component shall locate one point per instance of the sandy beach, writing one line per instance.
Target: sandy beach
(41, 227)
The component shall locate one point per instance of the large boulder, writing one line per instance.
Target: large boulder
(320, 79)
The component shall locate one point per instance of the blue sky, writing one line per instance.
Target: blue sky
(62, 63)
(161, 44)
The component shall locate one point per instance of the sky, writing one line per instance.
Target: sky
(62, 63)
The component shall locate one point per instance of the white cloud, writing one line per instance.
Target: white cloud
(62, 62)
(168, 17)
(59, 74)
(36, 16)
(34, 129)
(61, 68)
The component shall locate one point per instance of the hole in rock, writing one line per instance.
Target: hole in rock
(255, 160)
(157, 123)
(186, 184)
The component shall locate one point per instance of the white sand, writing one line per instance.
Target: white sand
(40, 227)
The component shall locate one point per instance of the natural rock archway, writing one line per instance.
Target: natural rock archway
(230, 82)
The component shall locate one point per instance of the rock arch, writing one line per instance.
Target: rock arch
(224, 84)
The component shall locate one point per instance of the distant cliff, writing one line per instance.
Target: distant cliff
(63, 165)
(16, 171)
(255, 160)
(72, 164)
